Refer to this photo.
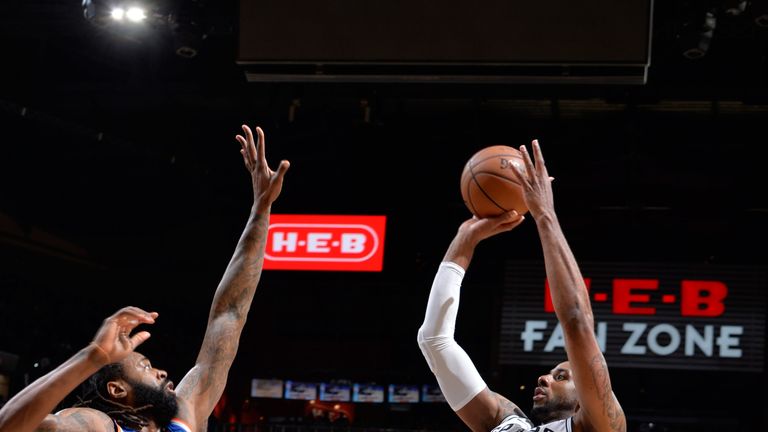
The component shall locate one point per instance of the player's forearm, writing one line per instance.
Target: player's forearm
(238, 286)
(25, 411)
(569, 293)
(461, 250)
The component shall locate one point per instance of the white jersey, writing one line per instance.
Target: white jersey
(515, 423)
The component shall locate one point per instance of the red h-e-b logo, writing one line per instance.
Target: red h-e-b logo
(697, 298)
(325, 242)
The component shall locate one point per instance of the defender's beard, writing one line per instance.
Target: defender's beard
(162, 405)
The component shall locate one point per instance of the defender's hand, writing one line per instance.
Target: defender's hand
(267, 184)
(113, 341)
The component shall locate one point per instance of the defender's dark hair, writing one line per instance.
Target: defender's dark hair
(93, 394)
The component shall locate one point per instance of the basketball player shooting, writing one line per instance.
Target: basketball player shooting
(576, 395)
(123, 391)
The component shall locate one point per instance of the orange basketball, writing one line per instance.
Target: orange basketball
(489, 187)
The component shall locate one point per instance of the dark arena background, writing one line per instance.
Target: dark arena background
(121, 184)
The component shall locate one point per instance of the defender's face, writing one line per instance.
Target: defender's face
(145, 386)
(138, 369)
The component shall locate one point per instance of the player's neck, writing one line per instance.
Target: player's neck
(552, 416)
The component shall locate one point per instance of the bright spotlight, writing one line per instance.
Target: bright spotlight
(118, 14)
(136, 14)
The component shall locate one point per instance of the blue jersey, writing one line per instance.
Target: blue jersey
(175, 426)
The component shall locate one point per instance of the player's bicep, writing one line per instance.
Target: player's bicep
(506, 408)
(486, 410)
(77, 420)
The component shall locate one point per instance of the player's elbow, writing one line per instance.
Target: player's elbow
(433, 341)
(576, 321)
(430, 347)
(421, 340)
(425, 333)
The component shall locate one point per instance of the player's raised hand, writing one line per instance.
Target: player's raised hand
(536, 182)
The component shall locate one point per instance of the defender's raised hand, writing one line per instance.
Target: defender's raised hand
(267, 184)
(201, 388)
(114, 339)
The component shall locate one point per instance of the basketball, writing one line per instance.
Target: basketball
(489, 187)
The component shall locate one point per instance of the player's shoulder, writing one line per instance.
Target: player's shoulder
(84, 419)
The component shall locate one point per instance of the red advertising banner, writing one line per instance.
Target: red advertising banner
(325, 242)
